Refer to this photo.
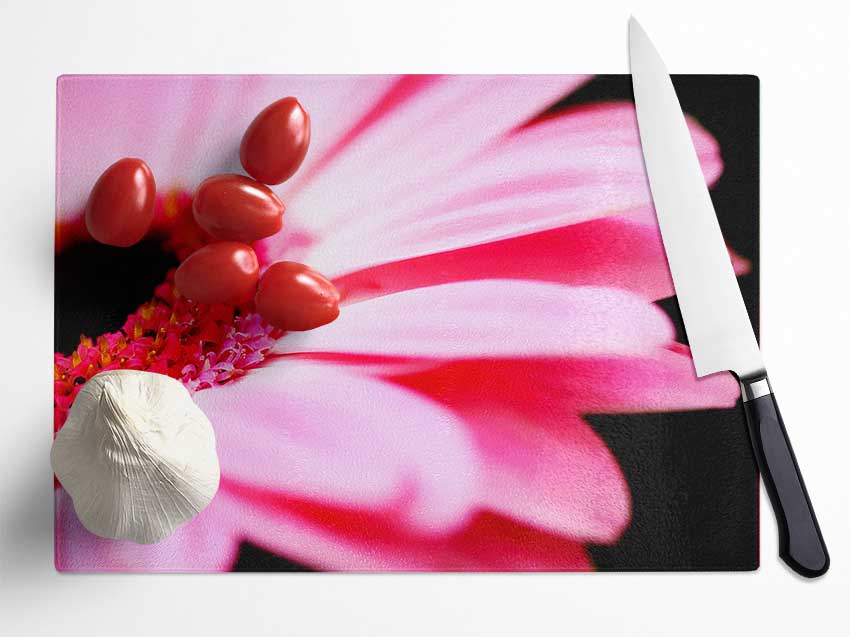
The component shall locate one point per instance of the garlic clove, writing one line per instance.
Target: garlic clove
(136, 455)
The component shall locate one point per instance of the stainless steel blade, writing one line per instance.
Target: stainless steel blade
(716, 321)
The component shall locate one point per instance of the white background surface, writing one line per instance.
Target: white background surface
(801, 56)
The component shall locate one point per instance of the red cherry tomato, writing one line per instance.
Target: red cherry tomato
(224, 272)
(294, 297)
(120, 207)
(275, 143)
(238, 208)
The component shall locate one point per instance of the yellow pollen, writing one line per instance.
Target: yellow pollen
(138, 330)
(170, 204)
(105, 356)
(75, 359)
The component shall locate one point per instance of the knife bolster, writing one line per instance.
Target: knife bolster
(752, 388)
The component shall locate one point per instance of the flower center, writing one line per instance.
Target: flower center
(202, 345)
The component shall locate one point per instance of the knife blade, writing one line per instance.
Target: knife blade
(715, 317)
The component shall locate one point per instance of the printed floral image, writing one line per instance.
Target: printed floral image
(499, 263)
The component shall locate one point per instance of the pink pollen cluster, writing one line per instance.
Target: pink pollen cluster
(202, 345)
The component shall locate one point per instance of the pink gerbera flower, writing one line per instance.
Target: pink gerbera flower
(498, 272)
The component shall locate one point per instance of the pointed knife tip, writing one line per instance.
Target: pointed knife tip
(634, 27)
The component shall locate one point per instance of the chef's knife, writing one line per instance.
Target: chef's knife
(716, 322)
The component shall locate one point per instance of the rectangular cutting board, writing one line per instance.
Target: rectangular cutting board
(508, 386)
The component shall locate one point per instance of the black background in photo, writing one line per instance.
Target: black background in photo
(692, 476)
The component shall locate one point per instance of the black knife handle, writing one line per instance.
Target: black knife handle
(801, 544)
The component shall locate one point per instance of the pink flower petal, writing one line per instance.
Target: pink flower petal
(543, 464)
(664, 381)
(329, 538)
(397, 94)
(332, 436)
(406, 148)
(551, 473)
(661, 380)
(556, 475)
(612, 252)
(205, 543)
(491, 318)
(583, 164)
(187, 127)
(740, 265)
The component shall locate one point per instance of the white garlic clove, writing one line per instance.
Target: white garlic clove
(136, 455)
